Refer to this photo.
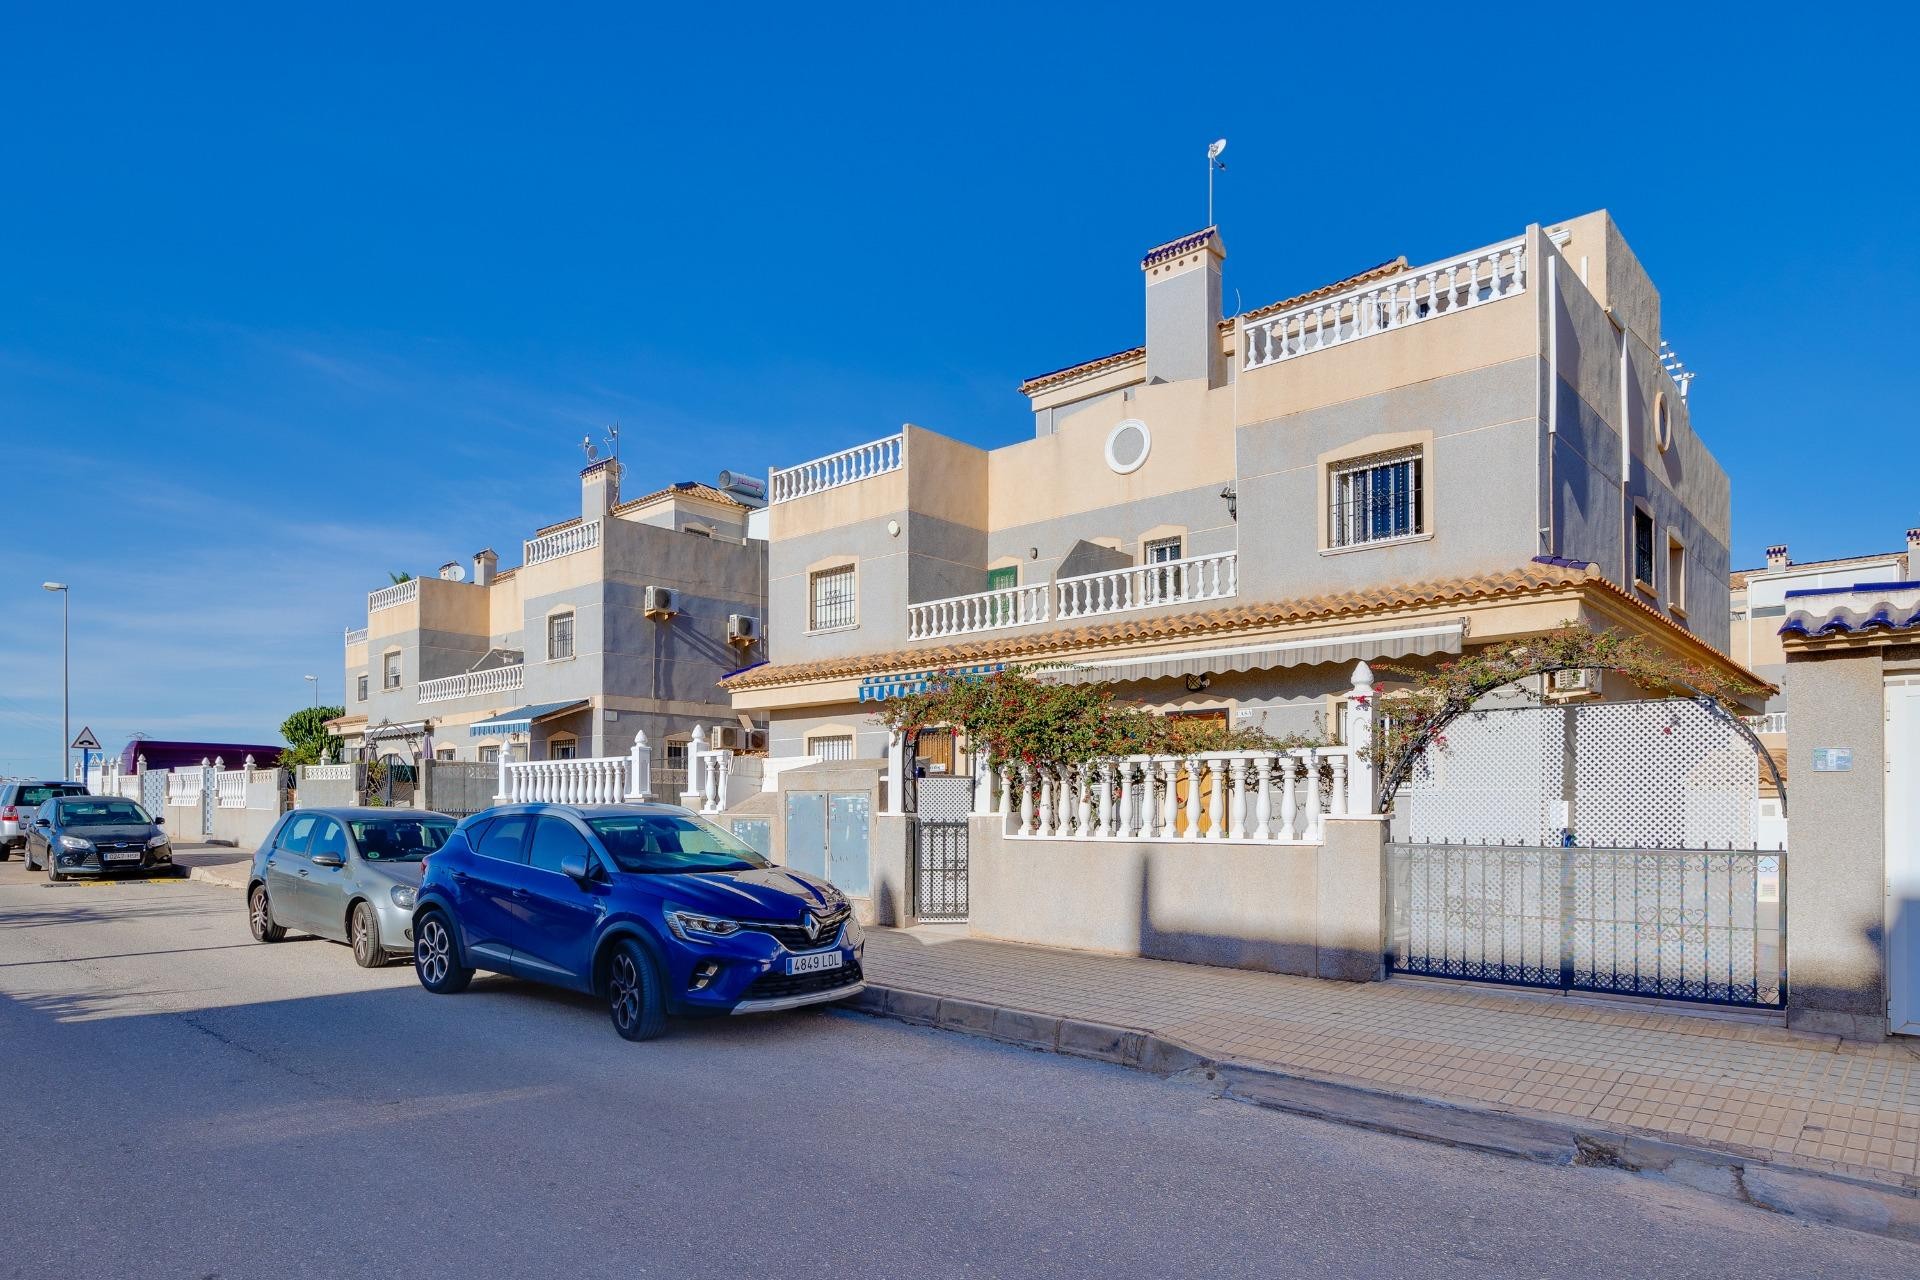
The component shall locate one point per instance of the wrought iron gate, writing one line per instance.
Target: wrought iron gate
(1680, 924)
(940, 849)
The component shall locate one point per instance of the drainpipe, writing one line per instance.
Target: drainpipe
(1553, 394)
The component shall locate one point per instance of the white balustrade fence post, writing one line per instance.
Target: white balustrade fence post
(1148, 813)
(1288, 768)
(982, 785)
(1105, 783)
(1126, 800)
(896, 772)
(1339, 762)
(1006, 791)
(1362, 721)
(640, 769)
(1313, 832)
(1026, 800)
(1238, 803)
(1193, 798)
(1217, 804)
(1046, 801)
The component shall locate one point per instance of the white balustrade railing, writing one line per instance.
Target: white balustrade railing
(356, 635)
(326, 772)
(874, 458)
(468, 684)
(388, 597)
(183, 788)
(599, 780)
(709, 775)
(1768, 722)
(230, 788)
(561, 542)
(1144, 586)
(981, 611)
(1245, 797)
(1440, 288)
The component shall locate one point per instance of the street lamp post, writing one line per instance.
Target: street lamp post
(66, 684)
(315, 682)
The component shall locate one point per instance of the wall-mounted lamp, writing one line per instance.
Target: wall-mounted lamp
(1232, 496)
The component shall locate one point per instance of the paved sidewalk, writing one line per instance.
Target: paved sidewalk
(1759, 1090)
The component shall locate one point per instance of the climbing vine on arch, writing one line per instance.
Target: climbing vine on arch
(1416, 717)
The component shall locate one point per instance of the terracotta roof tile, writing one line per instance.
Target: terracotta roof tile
(1039, 645)
(685, 489)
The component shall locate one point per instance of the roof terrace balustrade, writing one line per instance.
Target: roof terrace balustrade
(1087, 595)
(874, 458)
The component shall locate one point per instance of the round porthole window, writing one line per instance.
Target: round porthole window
(1662, 422)
(1128, 446)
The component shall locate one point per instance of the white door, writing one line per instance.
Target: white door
(1903, 855)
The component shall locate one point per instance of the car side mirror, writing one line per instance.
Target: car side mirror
(42, 822)
(574, 867)
(328, 860)
(159, 822)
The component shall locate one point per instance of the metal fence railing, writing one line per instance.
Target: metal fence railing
(1705, 925)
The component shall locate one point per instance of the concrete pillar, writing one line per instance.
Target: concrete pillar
(1353, 905)
(896, 801)
(1836, 862)
(1357, 733)
(640, 768)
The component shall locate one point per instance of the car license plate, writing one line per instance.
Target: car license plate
(814, 963)
(122, 855)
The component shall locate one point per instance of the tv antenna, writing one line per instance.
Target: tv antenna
(1214, 162)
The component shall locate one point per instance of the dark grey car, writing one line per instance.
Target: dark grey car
(95, 835)
(344, 874)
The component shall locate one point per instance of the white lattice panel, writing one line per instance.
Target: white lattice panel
(1668, 773)
(1494, 776)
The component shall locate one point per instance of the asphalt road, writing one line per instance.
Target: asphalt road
(182, 1102)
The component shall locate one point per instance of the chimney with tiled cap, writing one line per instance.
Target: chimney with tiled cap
(1183, 309)
(1777, 558)
(485, 565)
(599, 488)
(1913, 554)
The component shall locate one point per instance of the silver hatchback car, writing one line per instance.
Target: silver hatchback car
(345, 874)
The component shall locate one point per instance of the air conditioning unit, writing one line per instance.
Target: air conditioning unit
(731, 737)
(1582, 682)
(659, 602)
(742, 629)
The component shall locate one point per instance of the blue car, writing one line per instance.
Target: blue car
(646, 906)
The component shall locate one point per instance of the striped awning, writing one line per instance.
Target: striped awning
(521, 719)
(881, 688)
(1399, 642)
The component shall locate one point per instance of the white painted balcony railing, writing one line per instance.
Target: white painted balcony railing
(1244, 797)
(230, 788)
(468, 684)
(600, 780)
(1422, 293)
(1768, 722)
(1145, 586)
(561, 542)
(981, 611)
(326, 772)
(356, 635)
(398, 594)
(849, 465)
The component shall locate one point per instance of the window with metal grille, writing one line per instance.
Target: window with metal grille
(1375, 499)
(830, 600)
(390, 673)
(561, 749)
(1643, 545)
(839, 747)
(360, 689)
(1163, 583)
(560, 636)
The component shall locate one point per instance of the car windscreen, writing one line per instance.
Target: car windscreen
(399, 839)
(100, 813)
(670, 844)
(32, 797)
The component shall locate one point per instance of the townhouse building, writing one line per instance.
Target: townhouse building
(1399, 465)
(620, 620)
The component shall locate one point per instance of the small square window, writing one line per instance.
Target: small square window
(1376, 499)
(390, 672)
(830, 599)
(560, 636)
(561, 749)
(489, 755)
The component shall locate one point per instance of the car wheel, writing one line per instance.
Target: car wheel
(435, 958)
(26, 855)
(260, 916)
(54, 874)
(633, 993)
(364, 932)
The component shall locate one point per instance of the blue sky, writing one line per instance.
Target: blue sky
(287, 301)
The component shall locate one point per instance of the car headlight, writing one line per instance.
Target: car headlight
(852, 935)
(155, 842)
(404, 896)
(689, 927)
(75, 843)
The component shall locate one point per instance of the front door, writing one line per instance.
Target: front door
(1902, 786)
(553, 934)
(1000, 611)
(323, 906)
(288, 872)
